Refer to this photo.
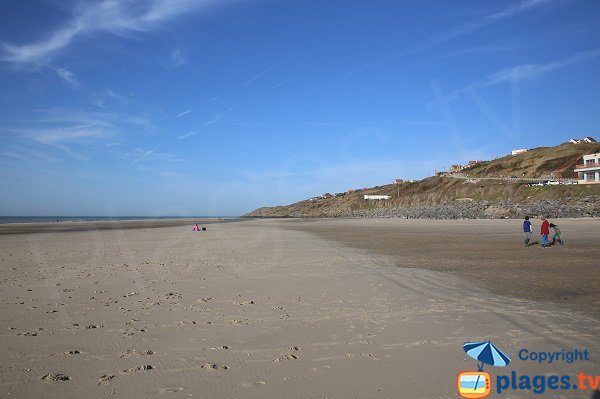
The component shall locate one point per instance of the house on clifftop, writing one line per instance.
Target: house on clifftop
(589, 171)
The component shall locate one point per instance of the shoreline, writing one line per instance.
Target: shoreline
(66, 226)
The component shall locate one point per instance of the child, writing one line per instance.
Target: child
(544, 232)
(556, 236)
(196, 228)
(527, 230)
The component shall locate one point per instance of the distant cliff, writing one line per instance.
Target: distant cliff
(485, 190)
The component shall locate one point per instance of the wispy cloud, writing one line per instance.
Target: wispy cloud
(185, 136)
(138, 155)
(76, 132)
(462, 30)
(220, 116)
(517, 73)
(534, 71)
(177, 58)
(120, 18)
(420, 122)
(184, 113)
(12, 155)
(259, 75)
(65, 139)
(521, 73)
(108, 97)
(478, 50)
(320, 124)
(67, 76)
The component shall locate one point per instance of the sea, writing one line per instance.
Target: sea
(60, 219)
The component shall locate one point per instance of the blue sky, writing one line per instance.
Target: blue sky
(182, 107)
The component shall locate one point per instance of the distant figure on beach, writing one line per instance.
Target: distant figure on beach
(196, 228)
(204, 229)
(527, 230)
(556, 236)
(545, 231)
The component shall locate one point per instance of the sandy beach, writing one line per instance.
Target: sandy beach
(24, 228)
(488, 253)
(287, 308)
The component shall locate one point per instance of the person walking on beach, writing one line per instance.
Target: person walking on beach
(556, 236)
(527, 230)
(545, 231)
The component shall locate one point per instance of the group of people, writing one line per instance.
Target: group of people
(544, 232)
(196, 228)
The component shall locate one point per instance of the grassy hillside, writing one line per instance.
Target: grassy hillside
(541, 161)
(537, 162)
(430, 191)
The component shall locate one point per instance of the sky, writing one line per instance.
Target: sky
(217, 107)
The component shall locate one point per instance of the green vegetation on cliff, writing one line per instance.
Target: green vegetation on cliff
(544, 161)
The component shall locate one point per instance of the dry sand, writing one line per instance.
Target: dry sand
(255, 309)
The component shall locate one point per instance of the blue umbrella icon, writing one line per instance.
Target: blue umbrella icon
(486, 353)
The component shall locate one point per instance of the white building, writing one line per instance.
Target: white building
(377, 197)
(519, 151)
(589, 171)
(587, 139)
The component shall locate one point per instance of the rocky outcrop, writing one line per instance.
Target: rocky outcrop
(571, 208)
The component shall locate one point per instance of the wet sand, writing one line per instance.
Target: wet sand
(23, 228)
(488, 253)
(257, 309)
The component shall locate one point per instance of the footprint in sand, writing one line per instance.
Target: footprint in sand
(105, 379)
(67, 353)
(212, 348)
(358, 355)
(52, 377)
(244, 303)
(211, 366)
(92, 326)
(286, 357)
(28, 334)
(133, 352)
(138, 368)
(171, 390)
(248, 384)
(132, 331)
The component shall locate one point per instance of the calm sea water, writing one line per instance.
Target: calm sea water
(54, 219)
